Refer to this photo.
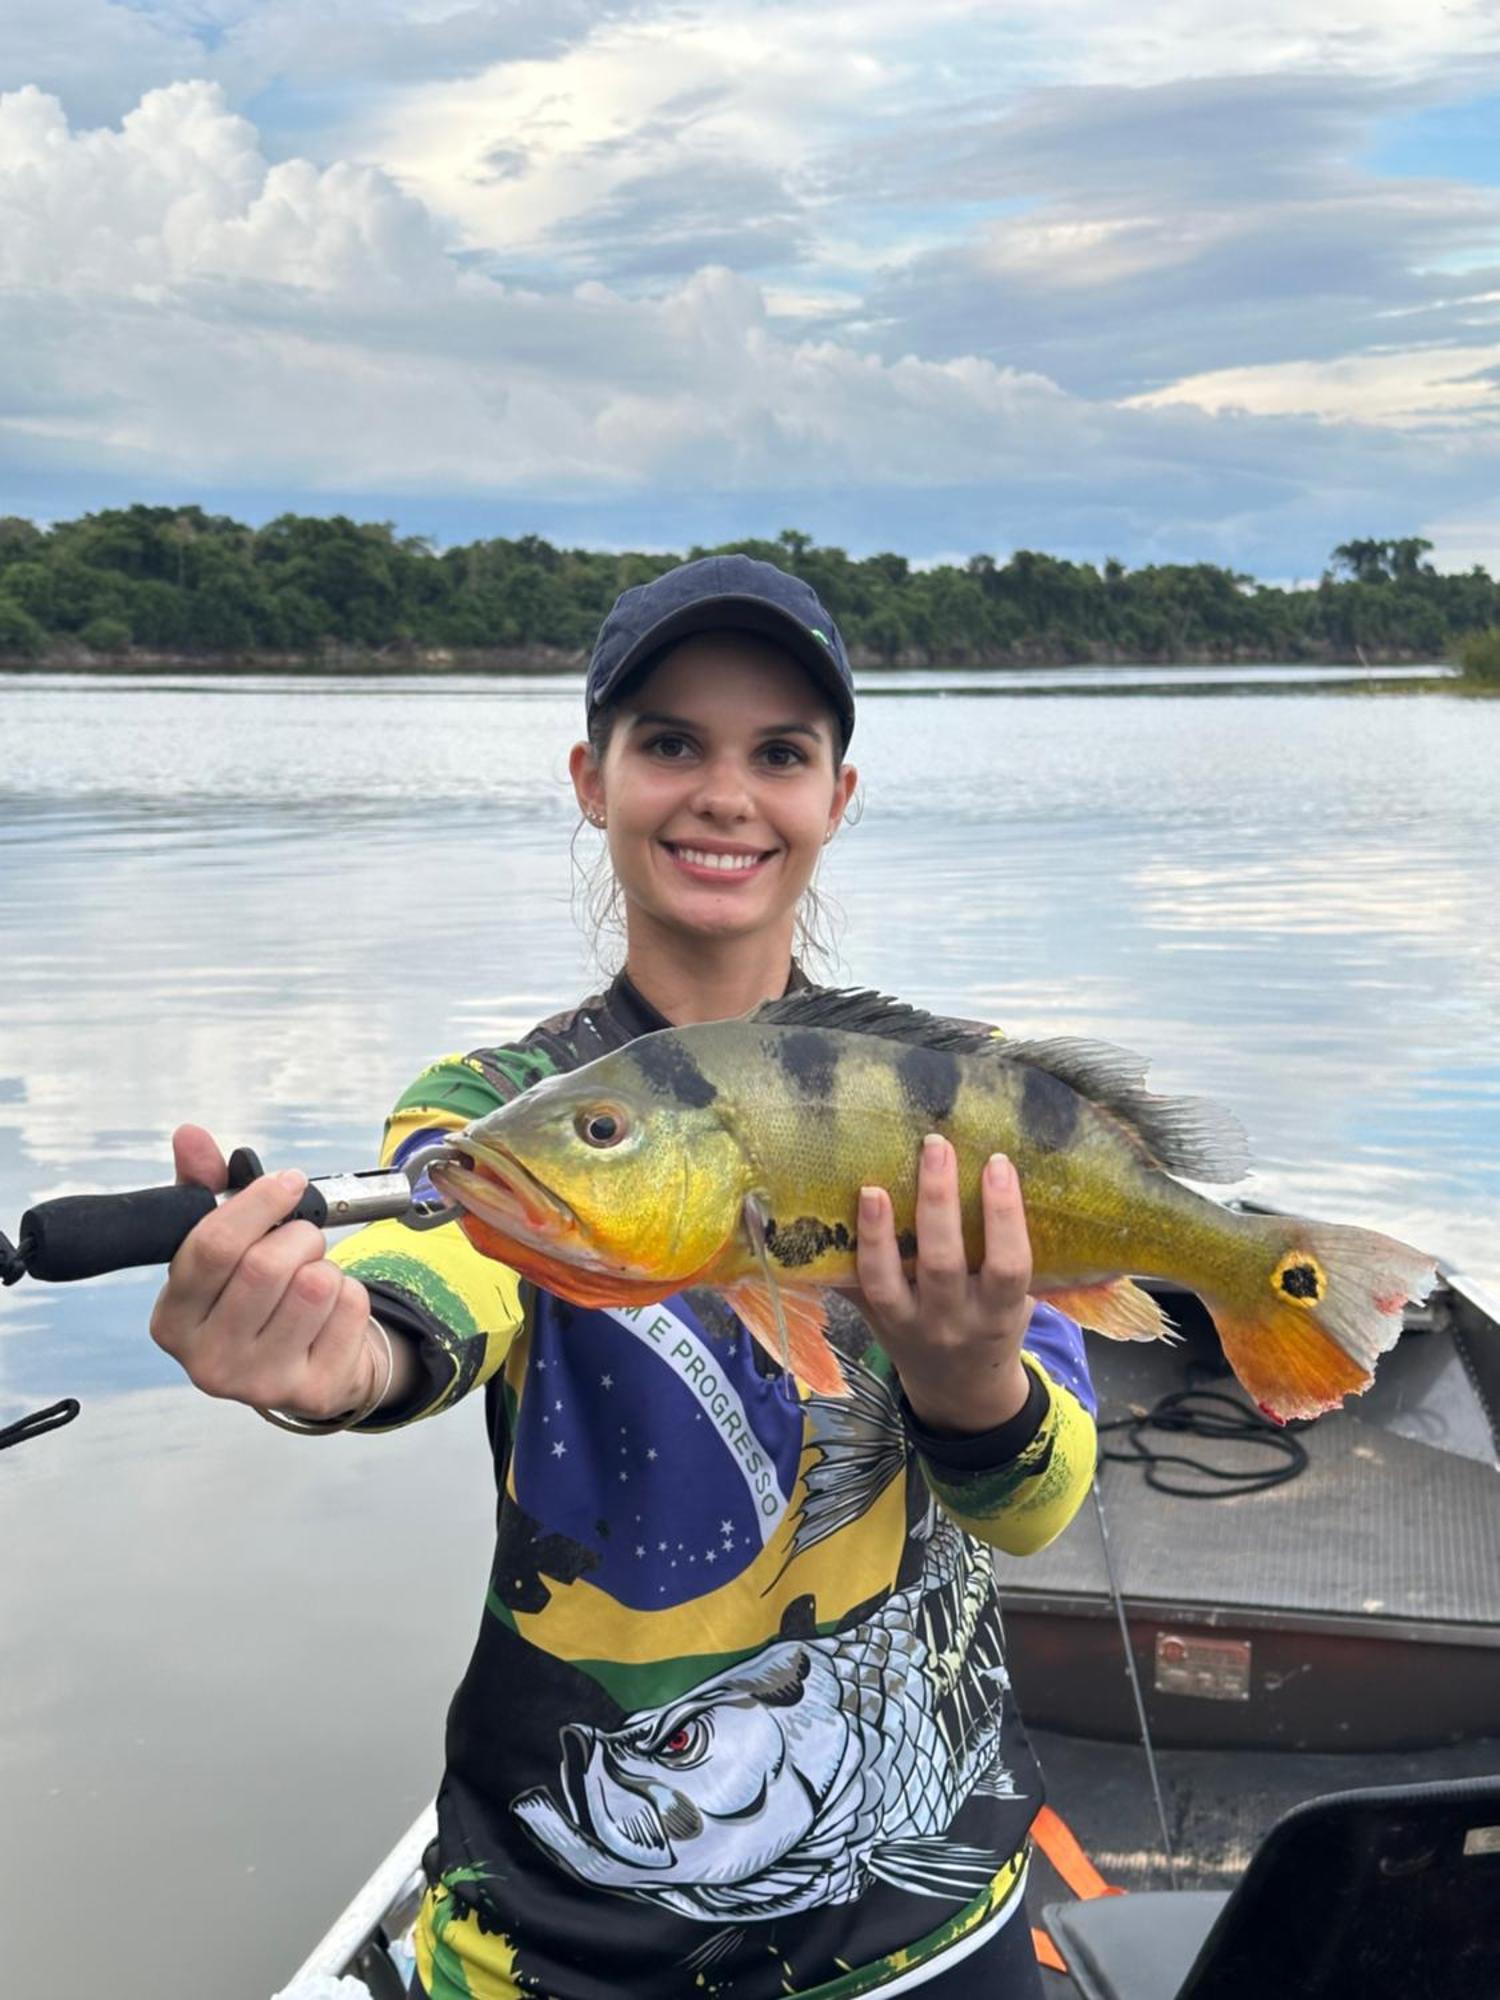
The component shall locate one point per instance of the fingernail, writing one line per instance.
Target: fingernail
(1001, 1172)
(932, 1149)
(869, 1204)
(292, 1181)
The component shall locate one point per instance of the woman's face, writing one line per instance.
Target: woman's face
(718, 788)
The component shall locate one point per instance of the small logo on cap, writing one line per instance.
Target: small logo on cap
(821, 635)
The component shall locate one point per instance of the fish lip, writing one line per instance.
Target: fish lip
(477, 1165)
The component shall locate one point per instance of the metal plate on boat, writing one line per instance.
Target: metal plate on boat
(1213, 1669)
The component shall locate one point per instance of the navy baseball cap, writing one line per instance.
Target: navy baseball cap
(712, 594)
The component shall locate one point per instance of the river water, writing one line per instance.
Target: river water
(264, 904)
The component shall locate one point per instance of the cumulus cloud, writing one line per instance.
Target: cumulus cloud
(181, 194)
(693, 270)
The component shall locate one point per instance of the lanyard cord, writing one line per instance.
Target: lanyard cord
(51, 1419)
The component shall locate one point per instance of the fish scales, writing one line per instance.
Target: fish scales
(820, 1125)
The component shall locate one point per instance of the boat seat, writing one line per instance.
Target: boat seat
(1388, 1894)
(1137, 1947)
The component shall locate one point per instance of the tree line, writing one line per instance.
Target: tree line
(181, 583)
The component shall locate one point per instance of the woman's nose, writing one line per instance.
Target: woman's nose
(722, 792)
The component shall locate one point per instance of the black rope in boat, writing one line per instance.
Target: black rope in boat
(40, 1421)
(1186, 1413)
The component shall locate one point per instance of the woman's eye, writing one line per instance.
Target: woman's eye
(783, 755)
(600, 1128)
(670, 747)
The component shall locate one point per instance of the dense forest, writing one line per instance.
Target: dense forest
(179, 584)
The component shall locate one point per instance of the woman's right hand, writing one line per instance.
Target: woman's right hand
(257, 1313)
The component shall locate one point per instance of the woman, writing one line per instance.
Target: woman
(737, 1721)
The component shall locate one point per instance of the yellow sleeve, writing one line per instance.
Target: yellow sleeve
(462, 1308)
(1022, 1505)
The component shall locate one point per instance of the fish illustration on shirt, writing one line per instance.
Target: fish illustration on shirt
(817, 1765)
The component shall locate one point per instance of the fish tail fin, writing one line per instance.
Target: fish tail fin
(1324, 1304)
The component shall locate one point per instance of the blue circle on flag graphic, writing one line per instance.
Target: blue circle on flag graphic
(656, 1444)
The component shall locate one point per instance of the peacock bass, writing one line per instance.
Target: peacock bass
(731, 1154)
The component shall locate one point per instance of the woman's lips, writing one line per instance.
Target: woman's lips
(716, 865)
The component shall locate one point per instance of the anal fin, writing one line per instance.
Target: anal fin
(1119, 1309)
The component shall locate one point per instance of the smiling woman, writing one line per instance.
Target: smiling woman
(701, 1559)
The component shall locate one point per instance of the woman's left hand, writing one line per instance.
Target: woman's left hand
(954, 1335)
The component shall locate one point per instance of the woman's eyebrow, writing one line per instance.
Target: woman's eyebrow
(655, 719)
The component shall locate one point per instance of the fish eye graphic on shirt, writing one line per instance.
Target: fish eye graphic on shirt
(811, 1769)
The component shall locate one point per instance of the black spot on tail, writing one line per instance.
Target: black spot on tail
(809, 1058)
(1301, 1281)
(794, 1244)
(930, 1078)
(671, 1071)
(1049, 1111)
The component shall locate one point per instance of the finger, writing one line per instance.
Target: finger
(211, 1254)
(877, 1261)
(260, 1282)
(942, 1265)
(197, 1159)
(275, 1367)
(1005, 1273)
(347, 1362)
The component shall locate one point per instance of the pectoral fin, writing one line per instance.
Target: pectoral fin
(1120, 1309)
(789, 1321)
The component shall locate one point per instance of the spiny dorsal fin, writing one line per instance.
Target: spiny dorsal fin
(1184, 1135)
(858, 1011)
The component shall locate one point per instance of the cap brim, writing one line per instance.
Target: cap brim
(739, 614)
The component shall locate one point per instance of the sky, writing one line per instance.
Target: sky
(1166, 283)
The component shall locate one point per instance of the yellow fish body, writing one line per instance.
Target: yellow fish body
(731, 1154)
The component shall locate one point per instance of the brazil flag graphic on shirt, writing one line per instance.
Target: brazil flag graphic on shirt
(612, 1386)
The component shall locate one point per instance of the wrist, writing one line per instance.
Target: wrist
(386, 1380)
(963, 1403)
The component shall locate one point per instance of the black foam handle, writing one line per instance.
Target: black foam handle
(83, 1235)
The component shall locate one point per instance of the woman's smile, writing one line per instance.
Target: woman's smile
(720, 865)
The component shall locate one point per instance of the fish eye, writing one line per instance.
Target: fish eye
(600, 1126)
(687, 1742)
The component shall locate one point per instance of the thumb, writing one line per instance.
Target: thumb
(197, 1159)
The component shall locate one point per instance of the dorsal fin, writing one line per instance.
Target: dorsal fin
(1183, 1135)
(858, 1011)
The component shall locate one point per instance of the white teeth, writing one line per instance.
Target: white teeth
(728, 863)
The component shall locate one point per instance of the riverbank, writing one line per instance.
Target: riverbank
(523, 661)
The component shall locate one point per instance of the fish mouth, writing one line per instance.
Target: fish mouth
(492, 1184)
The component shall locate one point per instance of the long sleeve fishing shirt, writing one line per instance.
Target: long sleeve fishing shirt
(738, 1721)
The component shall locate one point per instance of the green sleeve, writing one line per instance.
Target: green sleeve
(461, 1308)
(1021, 1505)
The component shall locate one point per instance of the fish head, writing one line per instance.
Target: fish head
(711, 1788)
(597, 1174)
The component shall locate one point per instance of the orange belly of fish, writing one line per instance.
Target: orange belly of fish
(568, 1281)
